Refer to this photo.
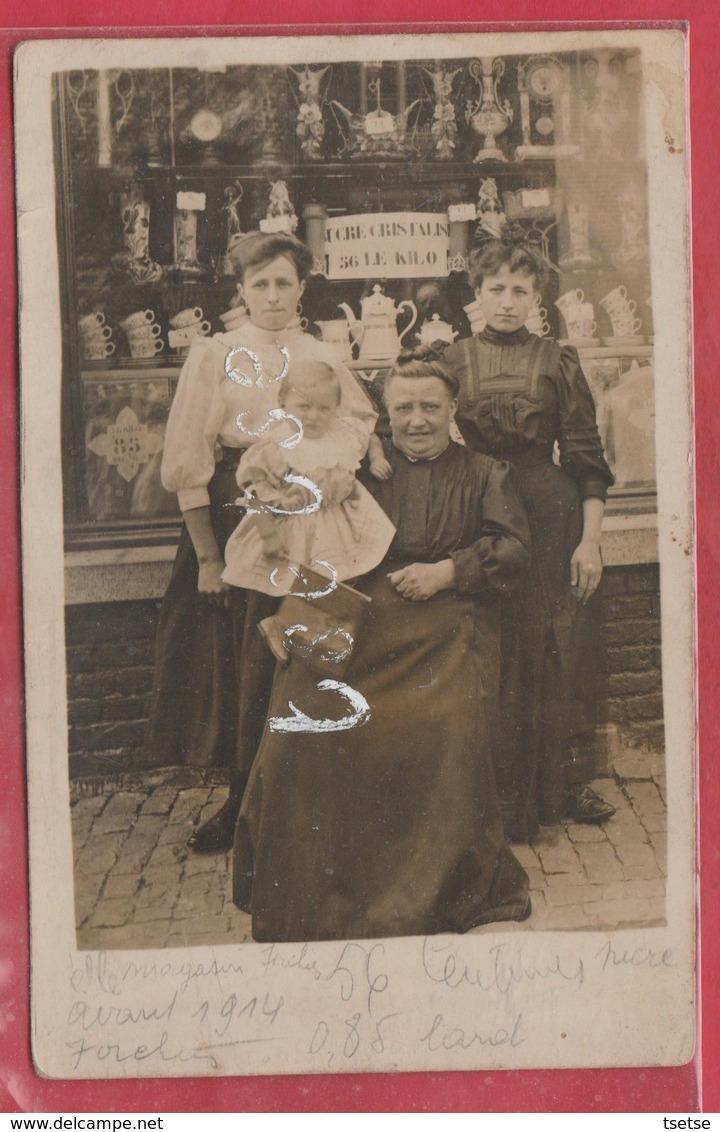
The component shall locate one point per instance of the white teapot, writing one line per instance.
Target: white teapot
(376, 330)
(435, 330)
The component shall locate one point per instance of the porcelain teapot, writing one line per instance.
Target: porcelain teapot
(435, 330)
(376, 330)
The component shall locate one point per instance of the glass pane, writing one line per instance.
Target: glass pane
(125, 423)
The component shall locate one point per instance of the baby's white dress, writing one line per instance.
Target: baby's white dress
(349, 532)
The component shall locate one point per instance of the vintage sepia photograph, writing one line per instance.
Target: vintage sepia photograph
(357, 522)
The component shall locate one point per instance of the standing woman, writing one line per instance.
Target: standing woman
(519, 396)
(211, 676)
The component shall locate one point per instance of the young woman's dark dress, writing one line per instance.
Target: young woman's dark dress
(519, 395)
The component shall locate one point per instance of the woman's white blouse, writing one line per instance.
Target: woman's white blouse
(211, 409)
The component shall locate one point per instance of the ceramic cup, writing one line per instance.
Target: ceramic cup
(477, 320)
(186, 317)
(538, 325)
(626, 327)
(185, 334)
(147, 330)
(89, 322)
(97, 334)
(570, 302)
(146, 347)
(620, 310)
(586, 312)
(616, 297)
(98, 351)
(136, 319)
(583, 329)
(235, 317)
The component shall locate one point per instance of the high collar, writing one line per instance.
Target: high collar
(249, 332)
(501, 338)
(441, 456)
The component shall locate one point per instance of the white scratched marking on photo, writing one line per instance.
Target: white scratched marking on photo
(274, 415)
(296, 573)
(309, 645)
(241, 378)
(308, 509)
(300, 722)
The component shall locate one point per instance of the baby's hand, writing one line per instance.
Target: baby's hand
(296, 498)
(274, 547)
(381, 469)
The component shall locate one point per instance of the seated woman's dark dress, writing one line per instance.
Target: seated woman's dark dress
(392, 827)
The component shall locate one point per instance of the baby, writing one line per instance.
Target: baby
(304, 504)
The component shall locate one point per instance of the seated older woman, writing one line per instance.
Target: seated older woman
(391, 826)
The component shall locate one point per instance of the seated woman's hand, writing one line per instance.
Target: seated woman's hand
(423, 580)
(210, 583)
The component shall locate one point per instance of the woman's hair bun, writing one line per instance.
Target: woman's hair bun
(411, 354)
(424, 361)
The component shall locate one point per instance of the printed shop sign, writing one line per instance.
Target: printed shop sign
(397, 245)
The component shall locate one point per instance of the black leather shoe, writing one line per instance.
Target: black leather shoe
(588, 808)
(216, 835)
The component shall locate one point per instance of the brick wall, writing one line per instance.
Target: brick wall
(110, 656)
(110, 650)
(630, 687)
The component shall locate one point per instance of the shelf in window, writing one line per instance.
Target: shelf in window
(349, 170)
(127, 370)
(125, 534)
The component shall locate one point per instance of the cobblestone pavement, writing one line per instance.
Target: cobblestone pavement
(138, 886)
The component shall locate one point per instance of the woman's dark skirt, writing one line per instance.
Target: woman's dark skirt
(213, 671)
(541, 632)
(391, 827)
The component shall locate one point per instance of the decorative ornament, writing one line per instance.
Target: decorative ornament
(543, 86)
(212, 126)
(579, 255)
(77, 88)
(444, 126)
(605, 113)
(231, 212)
(135, 261)
(122, 84)
(310, 127)
(281, 212)
(633, 249)
(378, 135)
(486, 114)
(490, 213)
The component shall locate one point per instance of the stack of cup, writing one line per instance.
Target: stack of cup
(186, 325)
(621, 310)
(477, 320)
(143, 334)
(235, 317)
(537, 322)
(95, 337)
(579, 317)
